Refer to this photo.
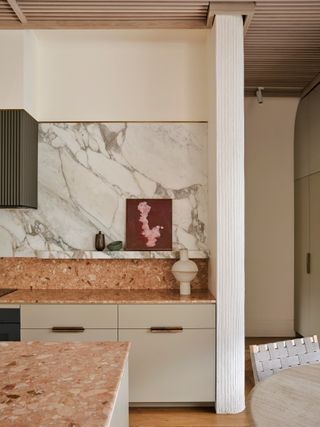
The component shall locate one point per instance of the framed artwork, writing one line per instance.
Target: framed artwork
(149, 225)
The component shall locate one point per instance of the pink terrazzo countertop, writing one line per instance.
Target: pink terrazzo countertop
(68, 384)
(108, 296)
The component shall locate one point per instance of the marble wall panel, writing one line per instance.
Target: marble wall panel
(86, 172)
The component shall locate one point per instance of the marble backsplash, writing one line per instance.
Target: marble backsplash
(26, 273)
(86, 172)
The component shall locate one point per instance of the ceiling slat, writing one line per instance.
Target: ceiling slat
(104, 14)
(106, 24)
(7, 13)
(282, 45)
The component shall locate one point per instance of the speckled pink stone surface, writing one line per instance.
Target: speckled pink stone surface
(59, 384)
(34, 273)
(109, 296)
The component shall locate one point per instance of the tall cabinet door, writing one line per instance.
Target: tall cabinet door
(313, 124)
(302, 140)
(315, 253)
(302, 278)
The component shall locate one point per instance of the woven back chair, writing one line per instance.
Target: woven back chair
(268, 359)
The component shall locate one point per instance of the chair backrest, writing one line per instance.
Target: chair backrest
(268, 359)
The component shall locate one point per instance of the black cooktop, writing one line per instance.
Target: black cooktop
(6, 291)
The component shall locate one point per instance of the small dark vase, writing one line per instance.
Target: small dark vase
(100, 241)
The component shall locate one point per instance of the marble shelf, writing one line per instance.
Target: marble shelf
(118, 254)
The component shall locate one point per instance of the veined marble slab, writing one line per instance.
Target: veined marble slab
(118, 254)
(88, 170)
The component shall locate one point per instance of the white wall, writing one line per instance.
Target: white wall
(18, 74)
(122, 75)
(11, 73)
(30, 73)
(105, 75)
(156, 75)
(269, 216)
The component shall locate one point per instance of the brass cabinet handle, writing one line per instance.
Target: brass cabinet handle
(166, 329)
(67, 329)
(308, 262)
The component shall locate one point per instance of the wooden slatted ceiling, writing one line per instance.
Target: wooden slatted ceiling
(6, 12)
(282, 46)
(113, 10)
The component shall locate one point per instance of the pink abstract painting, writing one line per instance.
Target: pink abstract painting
(149, 224)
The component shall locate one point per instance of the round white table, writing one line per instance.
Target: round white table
(290, 398)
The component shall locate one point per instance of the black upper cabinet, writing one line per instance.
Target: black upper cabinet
(18, 160)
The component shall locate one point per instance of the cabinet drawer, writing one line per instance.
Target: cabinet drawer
(190, 316)
(44, 316)
(171, 368)
(86, 335)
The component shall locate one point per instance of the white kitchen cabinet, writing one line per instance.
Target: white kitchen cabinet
(307, 241)
(85, 335)
(170, 367)
(307, 135)
(86, 315)
(314, 216)
(172, 355)
(69, 322)
(307, 215)
(186, 315)
(301, 250)
(313, 124)
(302, 140)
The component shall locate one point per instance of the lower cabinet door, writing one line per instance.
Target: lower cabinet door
(166, 367)
(86, 335)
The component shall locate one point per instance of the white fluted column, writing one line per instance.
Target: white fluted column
(226, 160)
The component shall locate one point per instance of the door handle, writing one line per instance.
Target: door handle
(308, 262)
(68, 329)
(166, 329)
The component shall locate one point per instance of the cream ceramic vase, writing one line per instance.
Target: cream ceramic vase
(184, 271)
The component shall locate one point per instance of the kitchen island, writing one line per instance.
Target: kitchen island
(67, 384)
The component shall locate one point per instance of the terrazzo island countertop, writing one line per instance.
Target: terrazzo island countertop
(69, 384)
(108, 296)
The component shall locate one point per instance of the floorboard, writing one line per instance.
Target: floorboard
(198, 417)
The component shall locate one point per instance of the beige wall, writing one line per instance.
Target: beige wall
(159, 76)
(269, 216)
(18, 73)
(122, 75)
(30, 72)
(12, 78)
(110, 75)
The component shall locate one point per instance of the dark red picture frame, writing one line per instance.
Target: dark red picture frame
(149, 224)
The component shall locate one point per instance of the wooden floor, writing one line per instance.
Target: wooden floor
(197, 417)
(185, 417)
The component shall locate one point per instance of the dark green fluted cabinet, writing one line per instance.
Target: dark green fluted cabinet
(18, 160)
